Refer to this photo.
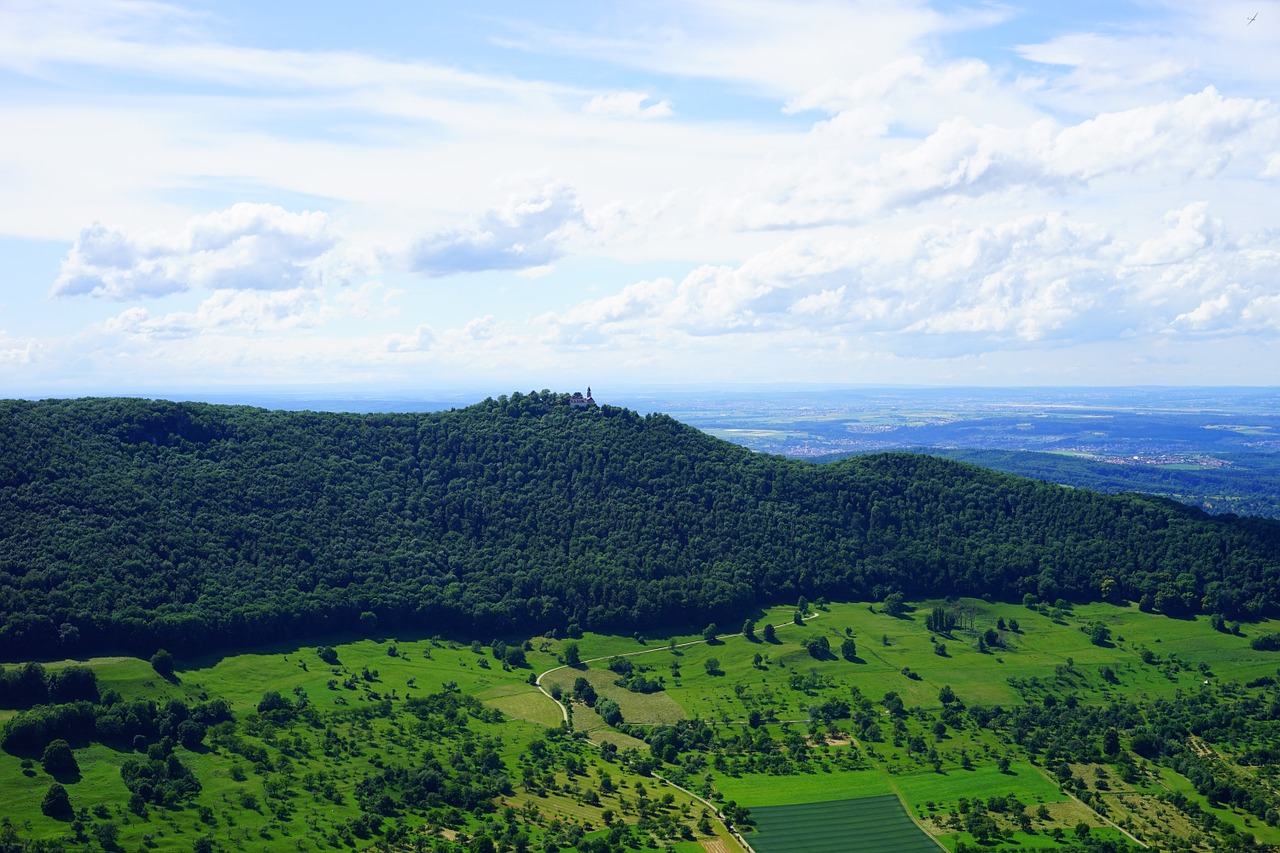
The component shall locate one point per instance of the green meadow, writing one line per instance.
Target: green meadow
(772, 726)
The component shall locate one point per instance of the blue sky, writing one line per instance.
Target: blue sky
(209, 195)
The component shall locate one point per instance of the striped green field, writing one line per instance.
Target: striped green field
(868, 824)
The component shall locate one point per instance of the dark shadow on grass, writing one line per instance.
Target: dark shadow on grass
(67, 777)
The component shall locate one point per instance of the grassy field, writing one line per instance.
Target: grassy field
(301, 783)
(871, 824)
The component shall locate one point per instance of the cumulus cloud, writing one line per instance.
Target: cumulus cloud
(420, 339)
(627, 105)
(524, 234)
(1032, 280)
(225, 310)
(246, 247)
(15, 350)
(1198, 135)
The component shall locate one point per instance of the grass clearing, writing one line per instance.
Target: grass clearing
(760, 790)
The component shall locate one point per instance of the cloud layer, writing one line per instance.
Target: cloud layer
(711, 189)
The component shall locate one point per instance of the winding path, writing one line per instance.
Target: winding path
(564, 714)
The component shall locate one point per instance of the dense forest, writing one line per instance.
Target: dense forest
(1239, 483)
(142, 524)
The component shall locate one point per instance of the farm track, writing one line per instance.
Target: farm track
(564, 713)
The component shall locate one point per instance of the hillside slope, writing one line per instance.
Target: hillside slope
(145, 524)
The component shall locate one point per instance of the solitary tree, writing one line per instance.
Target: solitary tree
(749, 629)
(162, 662)
(56, 803)
(770, 635)
(584, 691)
(712, 665)
(709, 632)
(572, 657)
(849, 649)
(58, 758)
(1099, 634)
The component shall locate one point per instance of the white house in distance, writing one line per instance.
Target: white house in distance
(577, 401)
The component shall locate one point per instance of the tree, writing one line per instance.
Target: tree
(1111, 741)
(895, 604)
(162, 662)
(56, 804)
(1099, 634)
(712, 666)
(583, 690)
(797, 618)
(107, 833)
(818, 647)
(769, 634)
(709, 633)
(58, 758)
(749, 629)
(849, 649)
(191, 734)
(572, 657)
(946, 695)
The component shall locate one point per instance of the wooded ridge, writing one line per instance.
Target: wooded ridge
(143, 524)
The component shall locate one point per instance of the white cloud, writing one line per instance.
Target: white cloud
(627, 105)
(962, 288)
(246, 247)
(16, 350)
(526, 233)
(1196, 136)
(229, 310)
(420, 339)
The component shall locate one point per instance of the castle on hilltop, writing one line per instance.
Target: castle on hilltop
(577, 401)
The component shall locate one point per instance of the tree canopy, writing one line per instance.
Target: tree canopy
(149, 524)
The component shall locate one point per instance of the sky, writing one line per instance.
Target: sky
(514, 196)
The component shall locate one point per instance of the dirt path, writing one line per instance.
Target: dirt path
(1108, 821)
(564, 714)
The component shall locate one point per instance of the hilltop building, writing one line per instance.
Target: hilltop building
(577, 401)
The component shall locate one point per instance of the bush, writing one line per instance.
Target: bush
(1266, 643)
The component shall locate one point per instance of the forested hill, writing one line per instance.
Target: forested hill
(142, 524)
